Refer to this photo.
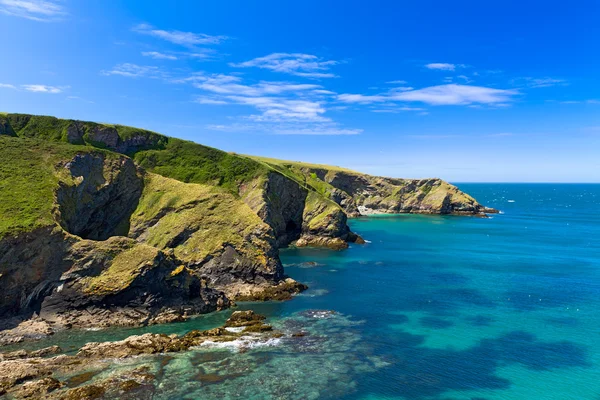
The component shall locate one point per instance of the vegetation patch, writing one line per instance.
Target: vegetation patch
(28, 180)
(125, 267)
(196, 220)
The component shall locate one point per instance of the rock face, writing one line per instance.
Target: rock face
(361, 194)
(98, 199)
(91, 237)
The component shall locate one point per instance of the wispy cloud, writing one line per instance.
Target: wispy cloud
(158, 56)
(230, 84)
(399, 82)
(36, 10)
(539, 82)
(454, 94)
(209, 100)
(304, 65)
(43, 88)
(451, 94)
(590, 101)
(396, 110)
(135, 71)
(35, 88)
(322, 129)
(189, 39)
(444, 66)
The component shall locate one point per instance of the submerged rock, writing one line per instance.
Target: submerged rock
(27, 373)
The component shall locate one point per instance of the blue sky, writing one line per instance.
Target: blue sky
(465, 90)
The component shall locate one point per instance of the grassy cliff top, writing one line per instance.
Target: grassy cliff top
(28, 180)
(299, 164)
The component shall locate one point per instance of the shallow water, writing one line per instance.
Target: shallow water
(433, 307)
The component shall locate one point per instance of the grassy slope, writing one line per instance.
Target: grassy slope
(28, 180)
(55, 129)
(210, 216)
(193, 163)
(174, 158)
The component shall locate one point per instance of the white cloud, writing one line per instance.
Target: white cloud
(323, 129)
(397, 82)
(135, 71)
(451, 94)
(397, 110)
(325, 92)
(318, 130)
(454, 94)
(280, 109)
(209, 100)
(36, 10)
(179, 37)
(7, 86)
(158, 56)
(360, 98)
(590, 101)
(231, 85)
(539, 82)
(304, 65)
(444, 66)
(401, 89)
(43, 89)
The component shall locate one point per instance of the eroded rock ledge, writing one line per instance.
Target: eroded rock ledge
(32, 375)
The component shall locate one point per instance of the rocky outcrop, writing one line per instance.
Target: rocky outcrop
(97, 198)
(361, 194)
(279, 201)
(25, 374)
(30, 263)
(298, 214)
(217, 236)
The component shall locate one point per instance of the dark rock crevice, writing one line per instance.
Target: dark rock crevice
(102, 195)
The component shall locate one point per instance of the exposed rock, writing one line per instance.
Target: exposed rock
(46, 351)
(27, 374)
(97, 201)
(29, 264)
(283, 291)
(15, 330)
(320, 241)
(38, 389)
(279, 201)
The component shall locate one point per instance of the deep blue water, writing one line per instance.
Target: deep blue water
(433, 307)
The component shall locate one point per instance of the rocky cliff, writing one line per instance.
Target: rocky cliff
(109, 225)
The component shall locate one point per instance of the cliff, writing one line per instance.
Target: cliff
(110, 225)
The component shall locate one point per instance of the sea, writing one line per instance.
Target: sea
(431, 307)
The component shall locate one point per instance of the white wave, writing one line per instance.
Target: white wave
(245, 342)
(511, 201)
(237, 329)
(368, 241)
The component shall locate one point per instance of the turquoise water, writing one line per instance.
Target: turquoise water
(433, 307)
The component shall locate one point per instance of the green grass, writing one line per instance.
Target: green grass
(193, 163)
(28, 181)
(212, 218)
(125, 267)
(299, 164)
